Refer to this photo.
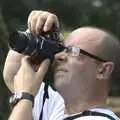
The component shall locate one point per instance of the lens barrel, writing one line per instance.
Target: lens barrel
(32, 45)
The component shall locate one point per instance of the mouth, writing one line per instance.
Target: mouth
(61, 69)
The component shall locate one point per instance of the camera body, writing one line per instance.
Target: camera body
(40, 47)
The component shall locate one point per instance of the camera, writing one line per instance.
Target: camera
(38, 46)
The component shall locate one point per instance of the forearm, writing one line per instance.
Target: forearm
(11, 67)
(22, 111)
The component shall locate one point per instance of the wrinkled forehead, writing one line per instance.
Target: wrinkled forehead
(85, 38)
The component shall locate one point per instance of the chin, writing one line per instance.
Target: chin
(59, 81)
(61, 85)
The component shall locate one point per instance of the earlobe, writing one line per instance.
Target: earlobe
(105, 70)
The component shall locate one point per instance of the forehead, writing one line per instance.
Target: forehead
(85, 38)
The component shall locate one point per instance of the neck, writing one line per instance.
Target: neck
(80, 106)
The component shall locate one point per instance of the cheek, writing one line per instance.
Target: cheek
(76, 68)
(81, 70)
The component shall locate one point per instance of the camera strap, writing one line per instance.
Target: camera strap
(45, 96)
(89, 113)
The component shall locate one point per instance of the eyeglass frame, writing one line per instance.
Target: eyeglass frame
(78, 50)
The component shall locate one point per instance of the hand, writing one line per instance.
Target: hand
(28, 78)
(38, 21)
(41, 21)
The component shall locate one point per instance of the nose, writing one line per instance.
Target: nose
(61, 56)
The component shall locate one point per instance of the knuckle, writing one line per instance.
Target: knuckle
(31, 14)
(34, 19)
(46, 14)
(53, 16)
(34, 12)
(39, 11)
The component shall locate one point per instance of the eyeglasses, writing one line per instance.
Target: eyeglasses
(76, 51)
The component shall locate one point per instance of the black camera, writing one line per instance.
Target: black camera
(40, 47)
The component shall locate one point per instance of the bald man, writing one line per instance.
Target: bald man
(82, 74)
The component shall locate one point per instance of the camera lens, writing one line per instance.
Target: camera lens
(36, 46)
(18, 41)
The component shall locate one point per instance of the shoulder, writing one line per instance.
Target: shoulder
(96, 118)
(96, 114)
(108, 112)
(93, 118)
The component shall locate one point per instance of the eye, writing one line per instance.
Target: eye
(72, 51)
(68, 50)
(75, 51)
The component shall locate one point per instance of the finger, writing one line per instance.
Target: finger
(32, 20)
(51, 20)
(40, 23)
(29, 19)
(33, 23)
(43, 69)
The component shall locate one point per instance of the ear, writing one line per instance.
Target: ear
(105, 70)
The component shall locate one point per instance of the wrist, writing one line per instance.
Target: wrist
(25, 102)
(31, 92)
(23, 92)
(21, 96)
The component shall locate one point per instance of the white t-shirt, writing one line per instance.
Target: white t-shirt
(53, 107)
(100, 110)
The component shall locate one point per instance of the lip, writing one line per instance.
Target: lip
(62, 69)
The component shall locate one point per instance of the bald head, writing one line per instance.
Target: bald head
(101, 43)
(91, 32)
(92, 36)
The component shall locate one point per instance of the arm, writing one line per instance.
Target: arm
(12, 65)
(27, 80)
(38, 21)
(21, 76)
(22, 111)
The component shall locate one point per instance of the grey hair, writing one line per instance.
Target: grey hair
(110, 50)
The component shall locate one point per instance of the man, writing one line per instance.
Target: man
(53, 106)
(82, 73)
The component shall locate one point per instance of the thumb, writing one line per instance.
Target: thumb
(43, 69)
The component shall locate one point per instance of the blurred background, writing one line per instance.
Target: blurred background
(72, 14)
